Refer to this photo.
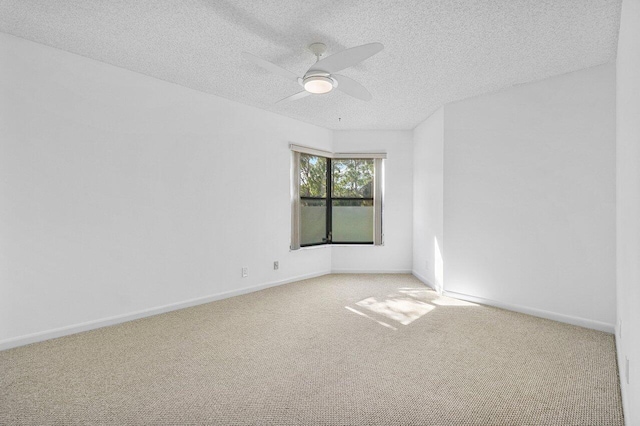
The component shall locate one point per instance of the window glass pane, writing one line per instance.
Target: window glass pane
(352, 221)
(352, 178)
(313, 221)
(313, 176)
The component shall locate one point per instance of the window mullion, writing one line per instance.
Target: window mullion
(329, 200)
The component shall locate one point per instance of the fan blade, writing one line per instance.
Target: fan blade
(295, 97)
(352, 87)
(347, 58)
(270, 67)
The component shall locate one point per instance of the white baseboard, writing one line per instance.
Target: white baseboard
(582, 322)
(370, 271)
(118, 319)
(621, 375)
(424, 280)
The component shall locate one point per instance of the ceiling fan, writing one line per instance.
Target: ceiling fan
(321, 77)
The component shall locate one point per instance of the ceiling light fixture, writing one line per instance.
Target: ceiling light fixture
(320, 78)
(318, 84)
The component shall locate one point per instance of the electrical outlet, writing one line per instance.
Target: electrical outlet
(245, 272)
(626, 368)
(276, 265)
(426, 264)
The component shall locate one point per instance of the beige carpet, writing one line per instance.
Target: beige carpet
(340, 349)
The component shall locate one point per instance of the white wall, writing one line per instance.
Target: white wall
(428, 149)
(120, 196)
(120, 193)
(628, 207)
(529, 197)
(395, 255)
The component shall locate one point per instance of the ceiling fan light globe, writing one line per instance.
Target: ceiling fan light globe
(318, 85)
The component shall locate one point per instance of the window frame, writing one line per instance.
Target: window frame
(329, 198)
(378, 191)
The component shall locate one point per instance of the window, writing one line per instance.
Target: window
(336, 198)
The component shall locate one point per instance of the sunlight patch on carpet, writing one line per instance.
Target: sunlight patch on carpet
(355, 311)
(402, 308)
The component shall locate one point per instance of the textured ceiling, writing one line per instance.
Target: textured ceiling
(435, 51)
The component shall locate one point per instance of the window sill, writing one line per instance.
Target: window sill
(356, 245)
(321, 246)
